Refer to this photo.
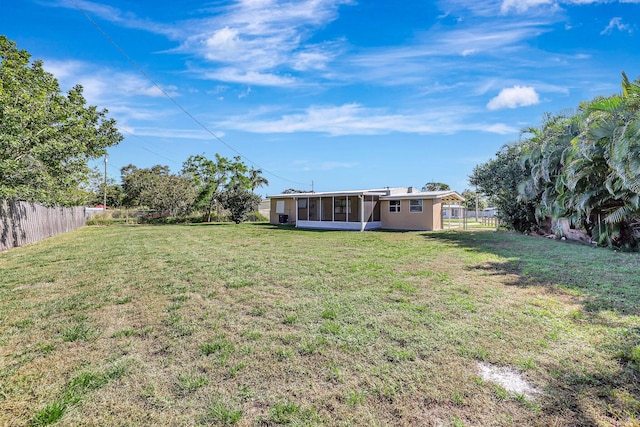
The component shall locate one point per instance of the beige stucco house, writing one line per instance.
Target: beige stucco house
(402, 208)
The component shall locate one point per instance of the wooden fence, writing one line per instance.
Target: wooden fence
(491, 222)
(22, 223)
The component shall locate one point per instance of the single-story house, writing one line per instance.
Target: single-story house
(402, 208)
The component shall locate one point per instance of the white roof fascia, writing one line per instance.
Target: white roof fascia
(424, 195)
(374, 192)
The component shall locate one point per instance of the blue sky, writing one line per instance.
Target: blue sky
(345, 94)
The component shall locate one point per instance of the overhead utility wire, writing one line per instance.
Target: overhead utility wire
(184, 110)
(147, 149)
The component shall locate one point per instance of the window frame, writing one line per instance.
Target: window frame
(394, 206)
(413, 207)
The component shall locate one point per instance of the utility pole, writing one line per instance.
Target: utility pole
(104, 200)
(476, 203)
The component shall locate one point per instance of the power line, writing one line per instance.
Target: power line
(146, 149)
(177, 104)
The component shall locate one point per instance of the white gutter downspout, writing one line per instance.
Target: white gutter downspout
(295, 206)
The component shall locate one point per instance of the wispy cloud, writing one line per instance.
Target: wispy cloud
(514, 97)
(521, 6)
(259, 42)
(254, 41)
(236, 75)
(354, 119)
(327, 166)
(616, 24)
(115, 15)
(100, 82)
(163, 132)
(122, 93)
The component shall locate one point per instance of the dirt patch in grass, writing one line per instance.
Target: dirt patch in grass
(508, 378)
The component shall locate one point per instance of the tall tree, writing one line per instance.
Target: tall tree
(210, 178)
(436, 186)
(157, 188)
(46, 137)
(583, 166)
(239, 201)
(470, 200)
(96, 189)
(294, 191)
(139, 184)
(545, 154)
(499, 178)
(256, 179)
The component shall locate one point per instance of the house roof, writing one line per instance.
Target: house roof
(446, 196)
(393, 193)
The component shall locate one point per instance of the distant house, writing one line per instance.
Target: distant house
(402, 208)
(91, 212)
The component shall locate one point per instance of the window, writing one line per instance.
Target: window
(415, 206)
(394, 205)
(279, 206)
(340, 205)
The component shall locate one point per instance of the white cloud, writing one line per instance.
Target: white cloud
(355, 119)
(222, 44)
(245, 93)
(522, 5)
(326, 166)
(235, 75)
(260, 37)
(169, 133)
(500, 128)
(264, 39)
(514, 97)
(112, 14)
(100, 83)
(616, 24)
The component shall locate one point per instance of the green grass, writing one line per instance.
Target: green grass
(224, 324)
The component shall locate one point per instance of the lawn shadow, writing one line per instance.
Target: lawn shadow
(603, 281)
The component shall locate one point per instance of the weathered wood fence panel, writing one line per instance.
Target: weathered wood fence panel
(22, 223)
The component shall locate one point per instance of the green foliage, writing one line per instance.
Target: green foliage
(498, 179)
(157, 189)
(436, 186)
(46, 137)
(96, 189)
(294, 191)
(470, 200)
(240, 201)
(209, 177)
(223, 183)
(256, 179)
(256, 217)
(586, 167)
(583, 166)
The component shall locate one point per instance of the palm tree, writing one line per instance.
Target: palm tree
(548, 148)
(607, 167)
(586, 167)
(256, 179)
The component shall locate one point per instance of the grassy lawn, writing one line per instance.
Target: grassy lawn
(256, 325)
